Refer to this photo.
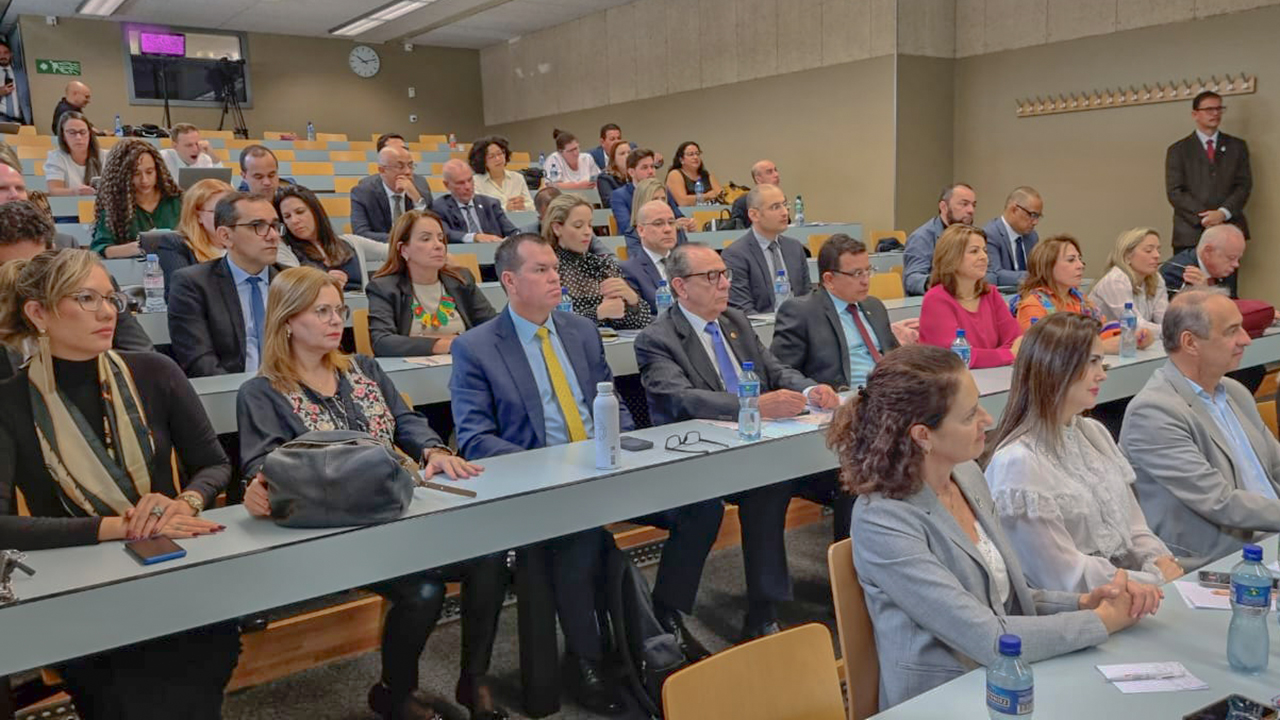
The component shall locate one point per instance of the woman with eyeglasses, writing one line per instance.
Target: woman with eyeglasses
(103, 446)
(306, 383)
(311, 238)
(686, 170)
(69, 167)
(488, 159)
(568, 168)
(136, 195)
(196, 239)
(594, 281)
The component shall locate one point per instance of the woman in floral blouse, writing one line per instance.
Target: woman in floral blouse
(594, 282)
(305, 383)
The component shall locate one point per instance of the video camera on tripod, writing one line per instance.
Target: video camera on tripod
(225, 78)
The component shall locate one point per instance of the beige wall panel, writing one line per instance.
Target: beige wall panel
(495, 68)
(846, 31)
(926, 112)
(1132, 14)
(652, 49)
(927, 27)
(685, 46)
(884, 26)
(971, 24)
(757, 40)
(718, 22)
(620, 34)
(1014, 24)
(799, 35)
(1207, 8)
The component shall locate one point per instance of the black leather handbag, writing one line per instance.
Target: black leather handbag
(336, 478)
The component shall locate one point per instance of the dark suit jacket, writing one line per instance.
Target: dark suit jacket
(1002, 268)
(682, 383)
(494, 396)
(489, 211)
(206, 326)
(809, 336)
(391, 312)
(620, 203)
(642, 275)
(1172, 269)
(1194, 184)
(371, 208)
(739, 212)
(752, 288)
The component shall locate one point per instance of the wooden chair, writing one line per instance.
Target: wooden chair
(470, 261)
(519, 156)
(31, 152)
(338, 207)
(1267, 389)
(44, 141)
(857, 640)
(331, 137)
(621, 252)
(360, 329)
(787, 676)
(729, 242)
(345, 183)
(347, 156)
(217, 134)
(432, 141)
(276, 135)
(1268, 412)
(27, 130)
(613, 225)
(85, 208)
(436, 184)
(878, 235)
(312, 168)
(700, 217)
(887, 286)
(815, 243)
(284, 155)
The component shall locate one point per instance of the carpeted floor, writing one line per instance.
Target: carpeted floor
(337, 691)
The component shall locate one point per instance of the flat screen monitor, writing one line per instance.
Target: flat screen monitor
(171, 44)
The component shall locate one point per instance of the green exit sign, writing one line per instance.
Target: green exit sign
(58, 67)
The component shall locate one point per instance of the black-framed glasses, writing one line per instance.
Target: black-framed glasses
(262, 228)
(90, 300)
(1032, 215)
(857, 274)
(1218, 109)
(680, 443)
(712, 276)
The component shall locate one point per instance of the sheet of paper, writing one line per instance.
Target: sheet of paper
(1151, 677)
(1199, 597)
(1187, 682)
(431, 360)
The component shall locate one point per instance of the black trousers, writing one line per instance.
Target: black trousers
(176, 676)
(416, 602)
(763, 515)
(824, 489)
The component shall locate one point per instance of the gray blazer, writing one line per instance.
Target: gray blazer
(752, 287)
(932, 602)
(917, 259)
(809, 336)
(1188, 486)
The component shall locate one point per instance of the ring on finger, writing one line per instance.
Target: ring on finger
(157, 511)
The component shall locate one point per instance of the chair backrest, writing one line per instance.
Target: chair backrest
(470, 261)
(313, 168)
(336, 206)
(815, 243)
(360, 329)
(887, 286)
(331, 137)
(613, 224)
(347, 156)
(85, 210)
(878, 235)
(1268, 412)
(345, 183)
(436, 184)
(621, 252)
(857, 640)
(790, 675)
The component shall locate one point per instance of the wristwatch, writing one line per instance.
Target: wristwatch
(193, 499)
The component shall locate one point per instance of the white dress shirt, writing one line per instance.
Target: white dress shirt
(1013, 241)
(658, 262)
(174, 162)
(513, 186)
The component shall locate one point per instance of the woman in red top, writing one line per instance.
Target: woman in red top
(960, 299)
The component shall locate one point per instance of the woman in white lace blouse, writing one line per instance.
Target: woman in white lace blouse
(1133, 275)
(1061, 486)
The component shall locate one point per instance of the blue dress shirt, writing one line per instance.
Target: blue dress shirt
(241, 279)
(860, 361)
(556, 430)
(1252, 474)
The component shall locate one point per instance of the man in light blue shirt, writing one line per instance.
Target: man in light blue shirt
(252, 290)
(553, 417)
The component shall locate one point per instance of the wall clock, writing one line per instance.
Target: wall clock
(364, 61)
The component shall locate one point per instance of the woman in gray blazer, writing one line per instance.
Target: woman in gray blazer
(940, 579)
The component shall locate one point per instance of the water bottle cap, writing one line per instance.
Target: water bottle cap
(604, 388)
(1253, 553)
(152, 257)
(1010, 645)
(564, 290)
(782, 273)
(1128, 306)
(662, 283)
(959, 332)
(748, 365)
(1034, 320)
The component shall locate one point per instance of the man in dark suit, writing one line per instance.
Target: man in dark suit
(1011, 235)
(260, 172)
(378, 200)
(1213, 261)
(755, 258)
(511, 391)
(957, 204)
(1207, 175)
(217, 308)
(764, 172)
(469, 217)
(647, 268)
(642, 165)
(689, 362)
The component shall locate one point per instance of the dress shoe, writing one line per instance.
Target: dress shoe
(754, 631)
(388, 707)
(672, 622)
(475, 695)
(594, 689)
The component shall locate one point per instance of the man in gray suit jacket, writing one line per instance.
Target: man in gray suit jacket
(957, 204)
(755, 258)
(376, 201)
(1011, 235)
(1207, 467)
(689, 362)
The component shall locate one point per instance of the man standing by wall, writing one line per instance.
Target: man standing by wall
(1207, 175)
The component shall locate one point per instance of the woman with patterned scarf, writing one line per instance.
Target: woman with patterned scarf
(305, 383)
(101, 446)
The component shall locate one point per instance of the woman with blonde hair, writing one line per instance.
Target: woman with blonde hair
(136, 195)
(1133, 276)
(105, 446)
(194, 241)
(959, 298)
(646, 191)
(594, 281)
(306, 383)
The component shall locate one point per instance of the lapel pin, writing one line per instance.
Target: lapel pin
(733, 335)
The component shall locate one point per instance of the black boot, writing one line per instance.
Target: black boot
(405, 707)
(593, 688)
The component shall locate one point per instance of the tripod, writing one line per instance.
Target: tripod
(231, 105)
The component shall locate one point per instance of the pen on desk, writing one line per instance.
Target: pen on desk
(429, 484)
(1150, 675)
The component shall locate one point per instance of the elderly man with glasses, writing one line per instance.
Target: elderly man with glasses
(1207, 177)
(378, 200)
(690, 361)
(1011, 235)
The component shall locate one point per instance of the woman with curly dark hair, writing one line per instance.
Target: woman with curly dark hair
(941, 580)
(488, 159)
(136, 194)
(310, 236)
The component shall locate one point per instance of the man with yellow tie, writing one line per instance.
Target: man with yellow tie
(527, 379)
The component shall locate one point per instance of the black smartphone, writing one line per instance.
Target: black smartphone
(1213, 579)
(634, 444)
(154, 550)
(1233, 706)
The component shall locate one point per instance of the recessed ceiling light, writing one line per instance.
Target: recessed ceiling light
(101, 8)
(382, 15)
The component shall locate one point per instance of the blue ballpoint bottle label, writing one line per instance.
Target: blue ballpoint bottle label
(1251, 595)
(1010, 702)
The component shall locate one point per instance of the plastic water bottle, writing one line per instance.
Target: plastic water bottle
(1128, 332)
(781, 289)
(605, 413)
(1010, 685)
(153, 283)
(961, 347)
(119, 127)
(453, 141)
(698, 189)
(799, 211)
(566, 302)
(662, 296)
(749, 403)
(542, 159)
(311, 130)
(1249, 638)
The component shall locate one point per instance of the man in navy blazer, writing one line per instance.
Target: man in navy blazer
(644, 270)
(504, 401)
(1011, 235)
(641, 165)
(469, 217)
(754, 258)
(372, 214)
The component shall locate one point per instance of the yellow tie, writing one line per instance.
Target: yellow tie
(560, 384)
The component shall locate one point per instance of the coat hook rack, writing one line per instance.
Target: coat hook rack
(1162, 92)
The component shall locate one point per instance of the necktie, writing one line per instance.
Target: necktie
(862, 332)
(10, 100)
(469, 214)
(776, 252)
(728, 371)
(560, 384)
(662, 269)
(1210, 150)
(258, 310)
(397, 207)
(1021, 254)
